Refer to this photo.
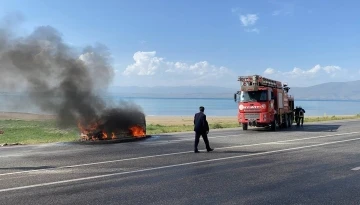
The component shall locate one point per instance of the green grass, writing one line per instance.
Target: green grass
(36, 132)
(156, 129)
(328, 118)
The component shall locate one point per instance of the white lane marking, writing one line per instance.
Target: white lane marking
(12, 155)
(281, 143)
(175, 153)
(356, 168)
(174, 165)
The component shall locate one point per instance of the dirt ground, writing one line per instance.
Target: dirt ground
(24, 116)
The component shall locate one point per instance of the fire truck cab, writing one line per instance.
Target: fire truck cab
(264, 102)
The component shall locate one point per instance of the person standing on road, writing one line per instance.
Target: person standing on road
(201, 127)
(301, 114)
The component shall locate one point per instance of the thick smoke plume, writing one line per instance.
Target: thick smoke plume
(59, 79)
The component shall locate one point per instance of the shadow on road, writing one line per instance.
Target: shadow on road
(304, 128)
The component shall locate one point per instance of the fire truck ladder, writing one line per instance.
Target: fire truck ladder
(256, 80)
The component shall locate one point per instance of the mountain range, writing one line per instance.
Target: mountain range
(326, 91)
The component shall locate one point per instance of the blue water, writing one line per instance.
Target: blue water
(172, 106)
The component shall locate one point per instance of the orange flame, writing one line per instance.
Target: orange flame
(137, 131)
(94, 132)
(88, 129)
(113, 136)
(105, 136)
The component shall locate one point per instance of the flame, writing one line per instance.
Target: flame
(86, 130)
(105, 136)
(92, 132)
(96, 132)
(137, 131)
(113, 136)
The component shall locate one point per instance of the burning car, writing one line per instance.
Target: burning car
(115, 124)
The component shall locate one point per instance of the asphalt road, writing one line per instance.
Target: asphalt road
(314, 164)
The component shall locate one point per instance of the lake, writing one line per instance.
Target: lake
(172, 106)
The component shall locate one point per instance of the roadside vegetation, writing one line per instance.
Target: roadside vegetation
(45, 131)
(34, 132)
(158, 128)
(329, 118)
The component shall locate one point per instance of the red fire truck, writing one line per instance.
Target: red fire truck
(264, 102)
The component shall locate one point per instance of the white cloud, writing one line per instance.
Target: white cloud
(152, 70)
(316, 70)
(331, 69)
(248, 19)
(314, 75)
(269, 71)
(145, 64)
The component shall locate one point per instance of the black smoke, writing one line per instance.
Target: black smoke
(58, 78)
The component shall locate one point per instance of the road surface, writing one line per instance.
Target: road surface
(314, 164)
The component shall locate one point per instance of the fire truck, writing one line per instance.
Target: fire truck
(263, 102)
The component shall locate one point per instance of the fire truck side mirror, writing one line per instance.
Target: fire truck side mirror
(235, 97)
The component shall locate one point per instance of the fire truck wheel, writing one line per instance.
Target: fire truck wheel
(245, 126)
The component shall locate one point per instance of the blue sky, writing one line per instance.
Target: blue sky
(163, 42)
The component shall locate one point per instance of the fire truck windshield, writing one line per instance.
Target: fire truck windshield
(253, 96)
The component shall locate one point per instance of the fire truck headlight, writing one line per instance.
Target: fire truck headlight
(241, 107)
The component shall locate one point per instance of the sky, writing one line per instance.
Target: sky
(202, 42)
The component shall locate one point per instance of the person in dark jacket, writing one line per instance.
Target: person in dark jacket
(201, 127)
(299, 114)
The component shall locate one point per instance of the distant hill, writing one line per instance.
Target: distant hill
(326, 91)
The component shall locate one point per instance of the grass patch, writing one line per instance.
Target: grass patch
(330, 118)
(45, 131)
(34, 132)
(157, 128)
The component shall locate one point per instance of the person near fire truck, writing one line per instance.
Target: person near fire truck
(201, 128)
(299, 114)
